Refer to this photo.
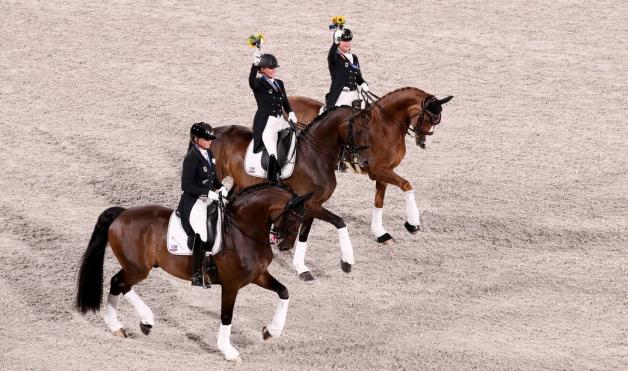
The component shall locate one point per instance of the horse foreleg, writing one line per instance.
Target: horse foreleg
(275, 327)
(224, 333)
(298, 260)
(413, 221)
(377, 226)
(346, 248)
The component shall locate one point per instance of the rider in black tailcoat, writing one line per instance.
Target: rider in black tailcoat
(344, 68)
(198, 180)
(270, 95)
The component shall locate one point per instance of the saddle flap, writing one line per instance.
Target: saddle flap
(176, 238)
(256, 164)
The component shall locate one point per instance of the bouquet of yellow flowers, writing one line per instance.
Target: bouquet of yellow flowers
(255, 40)
(338, 21)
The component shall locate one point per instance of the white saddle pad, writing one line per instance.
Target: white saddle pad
(253, 161)
(177, 240)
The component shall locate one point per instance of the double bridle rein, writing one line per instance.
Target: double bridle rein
(350, 151)
(279, 229)
(414, 127)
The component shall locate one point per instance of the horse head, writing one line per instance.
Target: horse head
(288, 222)
(427, 118)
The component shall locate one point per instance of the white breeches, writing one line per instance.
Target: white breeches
(271, 132)
(198, 218)
(346, 98)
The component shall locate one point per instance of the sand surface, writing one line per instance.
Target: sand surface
(523, 189)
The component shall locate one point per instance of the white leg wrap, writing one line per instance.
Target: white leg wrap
(345, 245)
(412, 211)
(224, 344)
(279, 318)
(111, 313)
(146, 315)
(376, 222)
(298, 260)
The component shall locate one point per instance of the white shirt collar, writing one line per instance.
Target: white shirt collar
(203, 151)
(348, 55)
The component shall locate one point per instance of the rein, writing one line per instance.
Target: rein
(348, 149)
(277, 231)
(413, 128)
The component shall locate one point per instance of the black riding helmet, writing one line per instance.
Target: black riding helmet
(202, 130)
(268, 61)
(347, 35)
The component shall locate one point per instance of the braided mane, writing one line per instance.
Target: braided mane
(260, 186)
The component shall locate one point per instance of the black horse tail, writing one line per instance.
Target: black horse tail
(90, 279)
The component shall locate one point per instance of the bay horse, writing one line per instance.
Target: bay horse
(318, 151)
(403, 111)
(137, 237)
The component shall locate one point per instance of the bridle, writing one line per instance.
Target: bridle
(414, 127)
(279, 229)
(350, 151)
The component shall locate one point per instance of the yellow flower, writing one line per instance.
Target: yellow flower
(340, 19)
(255, 39)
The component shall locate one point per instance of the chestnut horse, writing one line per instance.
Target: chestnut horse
(138, 240)
(400, 112)
(318, 152)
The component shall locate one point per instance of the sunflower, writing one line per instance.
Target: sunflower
(255, 40)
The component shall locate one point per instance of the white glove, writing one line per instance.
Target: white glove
(257, 56)
(223, 191)
(292, 117)
(364, 87)
(337, 35)
(213, 196)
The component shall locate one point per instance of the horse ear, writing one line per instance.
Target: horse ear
(445, 100)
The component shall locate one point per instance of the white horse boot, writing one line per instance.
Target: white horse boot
(224, 344)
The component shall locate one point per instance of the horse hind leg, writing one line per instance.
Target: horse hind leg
(122, 284)
(111, 310)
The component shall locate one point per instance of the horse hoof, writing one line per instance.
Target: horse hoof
(121, 333)
(386, 239)
(412, 228)
(306, 276)
(237, 360)
(145, 328)
(346, 267)
(265, 334)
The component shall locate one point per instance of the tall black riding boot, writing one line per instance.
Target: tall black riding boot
(198, 254)
(273, 169)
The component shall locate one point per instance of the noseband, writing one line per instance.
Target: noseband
(415, 127)
(434, 119)
(279, 230)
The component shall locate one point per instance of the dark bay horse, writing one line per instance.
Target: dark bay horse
(138, 240)
(400, 112)
(318, 152)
